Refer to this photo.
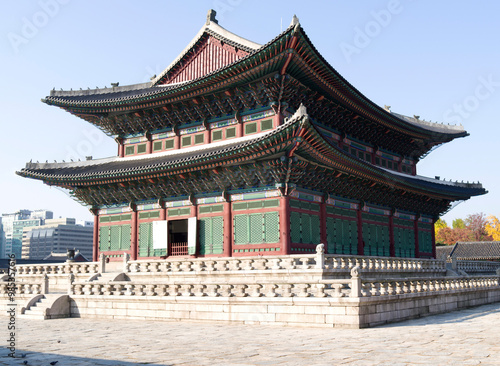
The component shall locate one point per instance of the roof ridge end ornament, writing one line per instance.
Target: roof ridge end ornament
(300, 112)
(211, 17)
(295, 20)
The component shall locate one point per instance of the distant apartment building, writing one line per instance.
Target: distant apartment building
(56, 236)
(13, 225)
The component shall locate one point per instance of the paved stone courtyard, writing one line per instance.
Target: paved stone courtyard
(469, 337)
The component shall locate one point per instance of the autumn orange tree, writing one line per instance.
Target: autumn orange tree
(493, 227)
(475, 227)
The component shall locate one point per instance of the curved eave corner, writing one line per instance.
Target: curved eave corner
(453, 191)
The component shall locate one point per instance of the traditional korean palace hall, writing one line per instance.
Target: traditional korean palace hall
(240, 149)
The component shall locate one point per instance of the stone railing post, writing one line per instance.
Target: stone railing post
(320, 256)
(356, 282)
(453, 263)
(71, 279)
(102, 263)
(45, 284)
(126, 267)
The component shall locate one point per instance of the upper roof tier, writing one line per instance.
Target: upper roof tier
(296, 152)
(234, 74)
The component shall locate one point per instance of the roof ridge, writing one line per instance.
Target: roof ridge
(213, 28)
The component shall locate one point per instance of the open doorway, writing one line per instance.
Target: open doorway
(178, 235)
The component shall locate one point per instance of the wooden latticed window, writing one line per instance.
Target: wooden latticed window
(404, 238)
(114, 238)
(217, 135)
(425, 237)
(256, 228)
(199, 139)
(186, 141)
(169, 144)
(304, 228)
(104, 243)
(342, 236)
(129, 150)
(250, 128)
(211, 235)
(146, 241)
(157, 145)
(376, 236)
(266, 124)
(230, 132)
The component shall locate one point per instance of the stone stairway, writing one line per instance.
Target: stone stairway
(48, 306)
(109, 276)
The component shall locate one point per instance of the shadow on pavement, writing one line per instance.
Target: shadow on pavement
(49, 359)
(457, 316)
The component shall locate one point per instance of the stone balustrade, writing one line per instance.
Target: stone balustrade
(476, 266)
(22, 288)
(57, 268)
(334, 288)
(221, 264)
(354, 287)
(334, 264)
(383, 264)
(371, 288)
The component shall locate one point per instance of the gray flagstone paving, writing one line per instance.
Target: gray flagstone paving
(468, 337)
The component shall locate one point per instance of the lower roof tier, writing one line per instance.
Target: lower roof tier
(293, 155)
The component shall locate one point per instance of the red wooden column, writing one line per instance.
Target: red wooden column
(322, 223)
(121, 148)
(208, 136)
(278, 119)
(95, 250)
(177, 138)
(433, 239)
(149, 144)
(284, 213)
(134, 230)
(392, 248)
(228, 229)
(361, 247)
(239, 126)
(415, 229)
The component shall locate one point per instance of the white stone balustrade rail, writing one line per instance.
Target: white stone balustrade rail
(57, 268)
(328, 263)
(383, 264)
(323, 288)
(22, 288)
(332, 288)
(371, 288)
(477, 266)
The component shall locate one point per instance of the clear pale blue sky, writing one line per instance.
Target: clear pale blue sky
(439, 60)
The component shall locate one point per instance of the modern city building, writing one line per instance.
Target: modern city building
(56, 236)
(240, 149)
(13, 225)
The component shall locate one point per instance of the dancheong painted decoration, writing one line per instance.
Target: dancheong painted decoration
(241, 149)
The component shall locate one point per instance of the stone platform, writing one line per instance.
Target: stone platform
(467, 337)
(309, 290)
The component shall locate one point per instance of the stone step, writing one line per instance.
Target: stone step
(35, 311)
(32, 316)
